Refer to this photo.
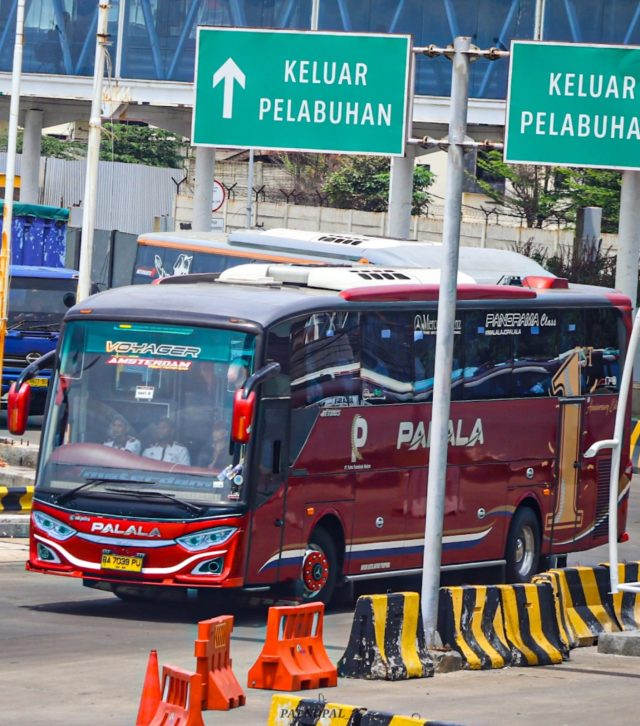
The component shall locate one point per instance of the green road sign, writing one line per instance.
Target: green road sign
(573, 105)
(303, 91)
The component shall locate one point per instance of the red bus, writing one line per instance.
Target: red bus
(229, 434)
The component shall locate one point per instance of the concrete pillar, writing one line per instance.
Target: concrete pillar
(400, 194)
(203, 189)
(31, 148)
(629, 236)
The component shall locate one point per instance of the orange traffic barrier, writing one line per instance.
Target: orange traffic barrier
(181, 703)
(220, 688)
(293, 657)
(150, 697)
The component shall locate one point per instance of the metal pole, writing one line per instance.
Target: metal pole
(629, 236)
(315, 14)
(90, 198)
(12, 142)
(250, 191)
(444, 340)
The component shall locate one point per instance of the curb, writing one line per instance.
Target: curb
(19, 453)
(14, 525)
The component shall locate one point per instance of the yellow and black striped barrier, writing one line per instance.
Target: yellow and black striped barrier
(635, 445)
(387, 639)
(586, 599)
(470, 621)
(381, 718)
(626, 605)
(531, 625)
(289, 710)
(16, 499)
(568, 635)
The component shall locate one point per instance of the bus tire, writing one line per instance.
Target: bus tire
(523, 546)
(319, 568)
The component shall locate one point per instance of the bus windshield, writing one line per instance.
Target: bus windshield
(140, 415)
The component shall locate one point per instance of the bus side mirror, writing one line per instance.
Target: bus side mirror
(242, 416)
(18, 408)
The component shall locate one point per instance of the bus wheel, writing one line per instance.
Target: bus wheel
(319, 568)
(523, 546)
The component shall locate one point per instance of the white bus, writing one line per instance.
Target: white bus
(164, 254)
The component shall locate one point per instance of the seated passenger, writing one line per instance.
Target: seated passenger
(216, 455)
(165, 447)
(120, 437)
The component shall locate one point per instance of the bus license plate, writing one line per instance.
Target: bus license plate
(124, 563)
(39, 382)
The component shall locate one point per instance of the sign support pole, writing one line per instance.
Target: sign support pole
(12, 142)
(90, 198)
(629, 236)
(434, 522)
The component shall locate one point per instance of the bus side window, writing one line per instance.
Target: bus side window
(278, 350)
(325, 360)
(386, 373)
(424, 347)
(487, 360)
(535, 353)
(603, 366)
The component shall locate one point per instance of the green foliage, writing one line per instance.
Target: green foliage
(593, 188)
(141, 145)
(307, 171)
(531, 190)
(362, 182)
(587, 267)
(51, 146)
(540, 193)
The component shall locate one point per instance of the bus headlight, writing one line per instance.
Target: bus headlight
(207, 538)
(53, 527)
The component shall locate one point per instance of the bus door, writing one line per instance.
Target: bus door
(270, 447)
(567, 516)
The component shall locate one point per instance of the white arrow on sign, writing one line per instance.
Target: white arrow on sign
(228, 72)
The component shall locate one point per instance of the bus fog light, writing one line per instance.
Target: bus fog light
(209, 567)
(199, 541)
(53, 527)
(46, 555)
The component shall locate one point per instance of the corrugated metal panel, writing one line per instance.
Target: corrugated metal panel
(129, 195)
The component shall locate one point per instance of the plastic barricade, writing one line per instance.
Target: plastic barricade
(220, 688)
(181, 703)
(293, 657)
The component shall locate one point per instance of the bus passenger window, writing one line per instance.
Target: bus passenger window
(535, 350)
(325, 361)
(386, 373)
(278, 351)
(603, 367)
(487, 350)
(424, 347)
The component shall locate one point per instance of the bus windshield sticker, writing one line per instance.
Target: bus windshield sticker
(512, 323)
(124, 347)
(427, 325)
(144, 393)
(160, 363)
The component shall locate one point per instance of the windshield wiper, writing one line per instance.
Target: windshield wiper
(65, 496)
(159, 495)
(40, 324)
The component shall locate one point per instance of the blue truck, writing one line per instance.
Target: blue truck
(38, 299)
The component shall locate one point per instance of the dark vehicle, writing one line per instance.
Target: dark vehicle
(38, 299)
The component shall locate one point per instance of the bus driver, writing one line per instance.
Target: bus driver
(165, 447)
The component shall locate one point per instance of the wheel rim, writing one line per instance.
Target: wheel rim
(315, 571)
(525, 551)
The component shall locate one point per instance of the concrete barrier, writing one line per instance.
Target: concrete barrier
(568, 635)
(531, 624)
(470, 620)
(387, 639)
(626, 605)
(287, 710)
(635, 445)
(16, 499)
(586, 600)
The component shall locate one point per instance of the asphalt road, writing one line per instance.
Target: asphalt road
(73, 656)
